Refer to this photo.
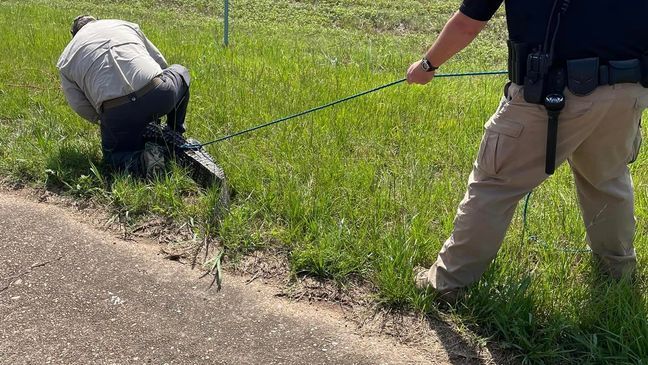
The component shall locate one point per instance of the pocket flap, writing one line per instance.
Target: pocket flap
(628, 71)
(505, 127)
(624, 65)
(583, 75)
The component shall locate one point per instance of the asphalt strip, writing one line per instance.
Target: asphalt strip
(73, 294)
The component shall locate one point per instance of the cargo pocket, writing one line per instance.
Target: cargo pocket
(498, 145)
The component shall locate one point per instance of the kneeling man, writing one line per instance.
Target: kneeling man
(111, 74)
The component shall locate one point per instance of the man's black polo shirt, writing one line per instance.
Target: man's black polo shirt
(609, 29)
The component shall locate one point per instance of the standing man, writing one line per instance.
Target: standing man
(111, 74)
(582, 67)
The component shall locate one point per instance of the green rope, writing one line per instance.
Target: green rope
(195, 146)
(535, 238)
(524, 214)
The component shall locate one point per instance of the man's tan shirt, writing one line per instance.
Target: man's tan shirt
(106, 59)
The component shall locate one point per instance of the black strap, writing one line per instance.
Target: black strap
(554, 104)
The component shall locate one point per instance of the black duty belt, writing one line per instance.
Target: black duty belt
(583, 75)
(113, 103)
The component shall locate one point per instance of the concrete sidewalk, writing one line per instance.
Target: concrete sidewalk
(71, 294)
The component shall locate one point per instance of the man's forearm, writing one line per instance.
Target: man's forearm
(77, 100)
(87, 112)
(458, 33)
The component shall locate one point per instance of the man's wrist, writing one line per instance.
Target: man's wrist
(427, 65)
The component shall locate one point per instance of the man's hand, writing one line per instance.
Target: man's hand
(416, 74)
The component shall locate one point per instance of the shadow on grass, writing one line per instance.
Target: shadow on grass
(462, 350)
(75, 170)
(608, 325)
(613, 327)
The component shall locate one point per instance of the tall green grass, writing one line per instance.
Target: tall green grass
(362, 191)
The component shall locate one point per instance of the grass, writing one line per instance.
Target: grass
(365, 190)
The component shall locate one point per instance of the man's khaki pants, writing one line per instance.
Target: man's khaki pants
(599, 134)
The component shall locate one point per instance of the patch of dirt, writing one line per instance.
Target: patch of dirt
(264, 265)
(271, 266)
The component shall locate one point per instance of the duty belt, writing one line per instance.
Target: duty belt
(113, 103)
(583, 75)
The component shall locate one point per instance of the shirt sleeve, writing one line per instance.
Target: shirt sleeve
(78, 101)
(482, 10)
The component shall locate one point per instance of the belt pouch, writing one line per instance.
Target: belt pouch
(644, 69)
(628, 71)
(582, 75)
(518, 53)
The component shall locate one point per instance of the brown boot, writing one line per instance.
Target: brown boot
(422, 282)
